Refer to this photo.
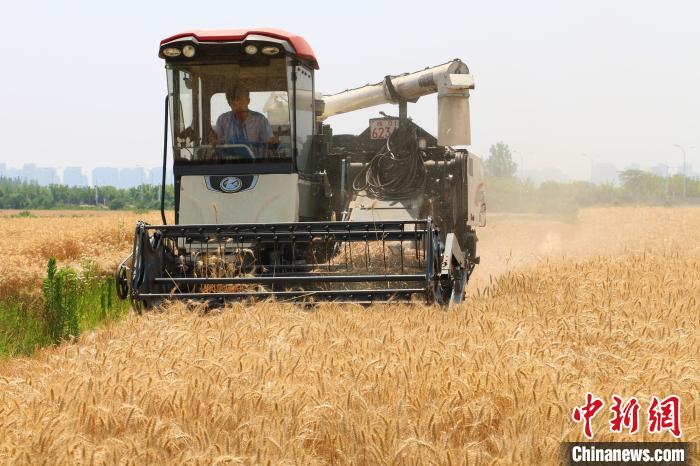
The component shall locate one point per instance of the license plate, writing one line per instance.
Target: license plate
(381, 128)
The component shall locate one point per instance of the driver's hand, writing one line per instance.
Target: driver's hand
(213, 137)
(272, 146)
(187, 133)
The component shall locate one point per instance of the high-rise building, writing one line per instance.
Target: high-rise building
(73, 176)
(660, 169)
(690, 173)
(15, 173)
(156, 176)
(130, 177)
(3, 170)
(28, 172)
(46, 176)
(105, 176)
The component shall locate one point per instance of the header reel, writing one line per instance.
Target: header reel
(302, 262)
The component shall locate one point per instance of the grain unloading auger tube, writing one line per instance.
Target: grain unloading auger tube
(400, 261)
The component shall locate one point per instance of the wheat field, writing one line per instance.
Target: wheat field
(609, 304)
(104, 237)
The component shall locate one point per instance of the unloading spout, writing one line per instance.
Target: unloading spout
(451, 81)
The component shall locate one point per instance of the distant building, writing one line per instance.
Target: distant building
(28, 172)
(660, 169)
(105, 176)
(46, 176)
(73, 176)
(690, 173)
(130, 177)
(604, 173)
(155, 176)
(15, 173)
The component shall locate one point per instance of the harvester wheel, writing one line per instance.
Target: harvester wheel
(121, 280)
(439, 291)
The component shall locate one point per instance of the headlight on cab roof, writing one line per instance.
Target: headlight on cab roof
(270, 50)
(172, 52)
(188, 51)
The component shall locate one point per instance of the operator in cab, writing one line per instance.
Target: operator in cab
(242, 127)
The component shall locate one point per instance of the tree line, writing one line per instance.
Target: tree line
(17, 194)
(504, 191)
(507, 193)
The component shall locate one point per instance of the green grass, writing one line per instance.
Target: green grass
(70, 303)
(21, 331)
(23, 214)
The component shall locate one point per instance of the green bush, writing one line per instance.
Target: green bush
(24, 214)
(70, 303)
(61, 312)
(21, 331)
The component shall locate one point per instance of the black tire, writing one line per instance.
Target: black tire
(121, 280)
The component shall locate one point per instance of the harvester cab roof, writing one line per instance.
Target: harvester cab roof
(237, 45)
(269, 203)
(272, 68)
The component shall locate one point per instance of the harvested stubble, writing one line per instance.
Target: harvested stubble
(492, 381)
(376, 257)
(352, 258)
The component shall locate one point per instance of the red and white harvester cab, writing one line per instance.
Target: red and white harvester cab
(269, 203)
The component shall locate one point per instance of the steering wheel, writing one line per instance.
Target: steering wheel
(234, 152)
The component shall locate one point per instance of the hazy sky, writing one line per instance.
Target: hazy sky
(81, 83)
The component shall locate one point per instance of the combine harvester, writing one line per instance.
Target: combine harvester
(276, 206)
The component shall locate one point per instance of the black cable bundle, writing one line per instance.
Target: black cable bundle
(394, 174)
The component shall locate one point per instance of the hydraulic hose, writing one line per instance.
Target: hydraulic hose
(396, 171)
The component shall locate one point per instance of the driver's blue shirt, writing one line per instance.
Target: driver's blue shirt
(255, 131)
